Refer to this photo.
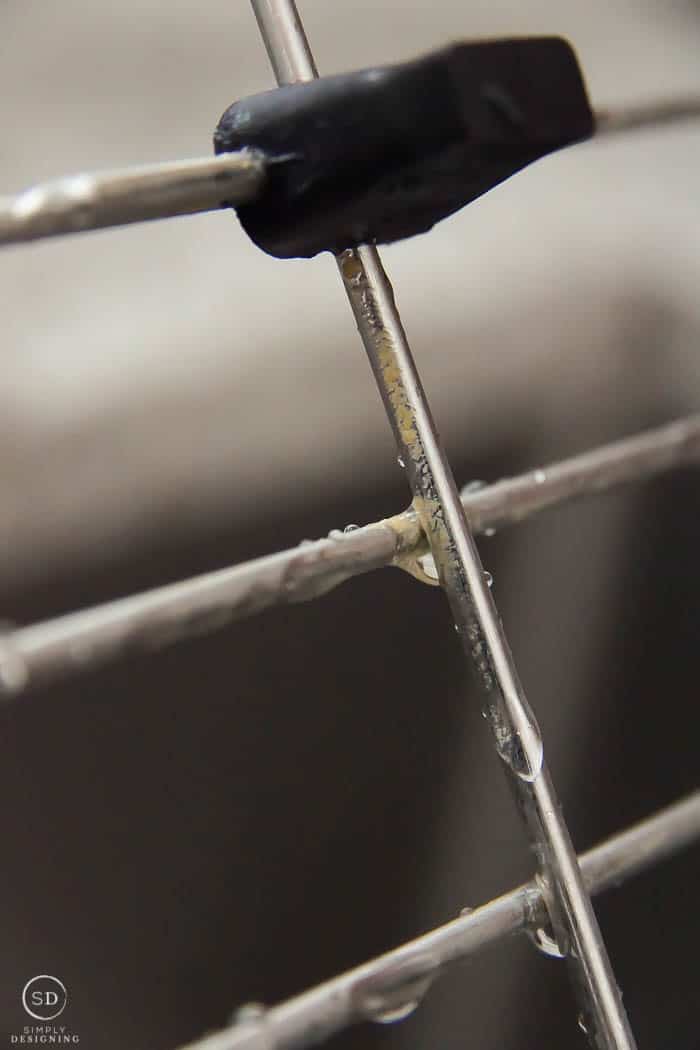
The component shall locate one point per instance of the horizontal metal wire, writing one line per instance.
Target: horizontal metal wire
(115, 198)
(388, 987)
(83, 640)
(78, 203)
(638, 115)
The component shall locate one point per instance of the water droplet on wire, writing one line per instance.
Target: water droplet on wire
(249, 1013)
(395, 1013)
(545, 943)
(472, 486)
(427, 564)
(351, 528)
(519, 744)
(14, 673)
(394, 995)
(488, 577)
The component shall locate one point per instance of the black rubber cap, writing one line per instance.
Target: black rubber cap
(383, 154)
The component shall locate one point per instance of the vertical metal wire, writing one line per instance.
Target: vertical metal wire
(517, 736)
(518, 740)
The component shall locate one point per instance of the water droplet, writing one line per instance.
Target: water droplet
(539, 477)
(397, 1013)
(14, 673)
(472, 486)
(351, 528)
(427, 564)
(336, 534)
(466, 910)
(519, 744)
(395, 994)
(581, 1021)
(488, 577)
(249, 1013)
(489, 532)
(545, 943)
(400, 462)
(530, 752)
(528, 756)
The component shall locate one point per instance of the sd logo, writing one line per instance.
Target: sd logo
(44, 997)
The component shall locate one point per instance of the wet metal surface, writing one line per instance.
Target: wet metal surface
(82, 641)
(391, 986)
(437, 504)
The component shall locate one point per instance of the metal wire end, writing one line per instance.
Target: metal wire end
(78, 203)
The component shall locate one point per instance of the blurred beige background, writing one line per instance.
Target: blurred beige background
(172, 399)
(168, 371)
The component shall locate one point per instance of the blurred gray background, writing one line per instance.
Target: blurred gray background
(249, 813)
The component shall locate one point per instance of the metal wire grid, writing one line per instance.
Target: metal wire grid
(434, 541)
(84, 640)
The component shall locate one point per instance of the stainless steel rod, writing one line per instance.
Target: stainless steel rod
(639, 115)
(632, 459)
(115, 198)
(82, 641)
(436, 500)
(398, 978)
